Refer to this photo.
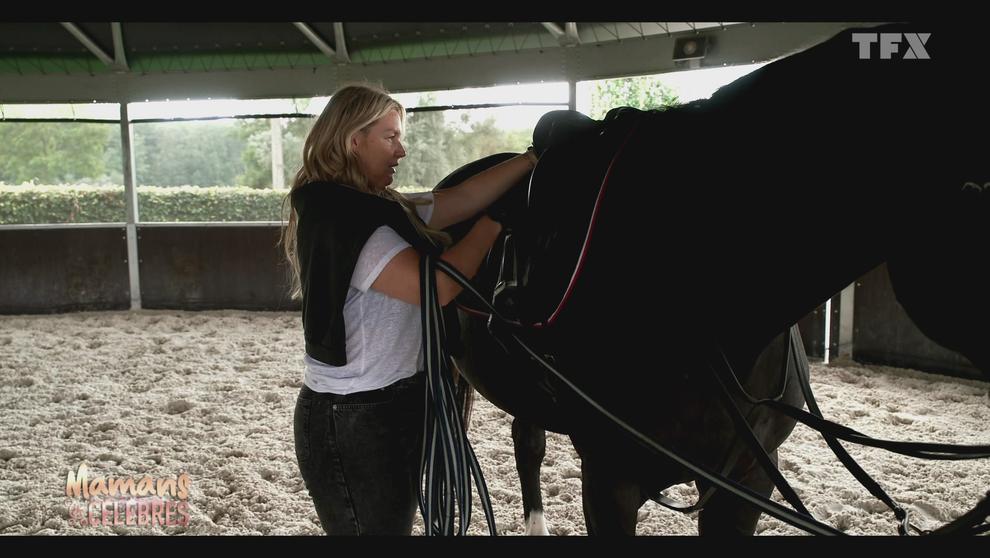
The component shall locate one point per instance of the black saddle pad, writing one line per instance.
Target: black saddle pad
(567, 192)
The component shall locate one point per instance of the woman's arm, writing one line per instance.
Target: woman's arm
(453, 205)
(400, 277)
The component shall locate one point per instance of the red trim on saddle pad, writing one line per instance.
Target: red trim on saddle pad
(587, 238)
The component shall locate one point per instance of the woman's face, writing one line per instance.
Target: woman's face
(378, 150)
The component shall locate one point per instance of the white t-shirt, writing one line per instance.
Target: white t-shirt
(383, 334)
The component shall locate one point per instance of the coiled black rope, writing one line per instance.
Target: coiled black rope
(447, 462)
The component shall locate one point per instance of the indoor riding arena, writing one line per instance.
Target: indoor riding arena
(147, 332)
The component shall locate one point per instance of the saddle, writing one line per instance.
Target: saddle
(542, 259)
(530, 275)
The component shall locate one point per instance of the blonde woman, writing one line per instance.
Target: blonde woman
(354, 245)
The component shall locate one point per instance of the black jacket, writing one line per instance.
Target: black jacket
(334, 223)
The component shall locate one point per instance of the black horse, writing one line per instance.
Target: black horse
(640, 239)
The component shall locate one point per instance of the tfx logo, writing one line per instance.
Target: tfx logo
(890, 44)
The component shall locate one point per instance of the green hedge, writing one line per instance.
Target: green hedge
(28, 204)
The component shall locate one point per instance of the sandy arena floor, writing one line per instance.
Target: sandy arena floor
(211, 394)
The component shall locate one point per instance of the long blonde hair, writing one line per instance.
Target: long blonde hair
(329, 156)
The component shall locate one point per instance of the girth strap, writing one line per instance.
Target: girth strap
(735, 450)
(756, 448)
(862, 476)
(730, 461)
(830, 431)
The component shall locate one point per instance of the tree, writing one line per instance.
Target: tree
(435, 148)
(257, 155)
(428, 142)
(113, 161)
(486, 138)
(645, 93)
(194, 153)
(53, 152)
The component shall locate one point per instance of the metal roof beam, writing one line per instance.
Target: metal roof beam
(572, 32)
(88, 43)
(119, 55)
(316, 39)
(341, 40)
(565, 38)
(554, 30)
(737, 44)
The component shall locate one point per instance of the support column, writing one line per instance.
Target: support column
(828, 331)
(846, 327)
(131, 206)
(278, 162)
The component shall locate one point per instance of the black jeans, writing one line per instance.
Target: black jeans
(359, 456)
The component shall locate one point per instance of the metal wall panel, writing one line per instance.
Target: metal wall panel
(50, 270)
(44, 271)
(884, 334)
(209, 267)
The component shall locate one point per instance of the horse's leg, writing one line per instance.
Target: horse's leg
(725, 514)
(530, 443)
(610, 500)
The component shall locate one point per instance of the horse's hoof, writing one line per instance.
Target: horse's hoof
(535, 525)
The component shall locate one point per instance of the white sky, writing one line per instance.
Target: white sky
(690, 85)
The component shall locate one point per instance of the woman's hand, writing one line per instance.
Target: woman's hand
(531, 155)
